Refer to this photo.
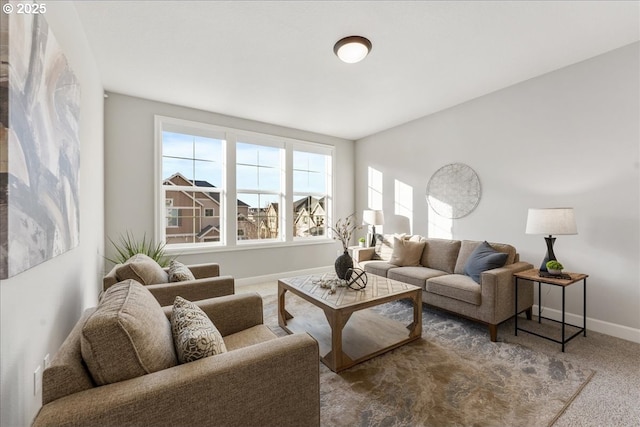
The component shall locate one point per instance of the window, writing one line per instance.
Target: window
(225, 187)
(259, 190)
(191, 179)
(311, 180)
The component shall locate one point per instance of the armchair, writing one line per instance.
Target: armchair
(261, 380)
(207, 284)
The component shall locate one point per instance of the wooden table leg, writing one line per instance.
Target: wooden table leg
(283, 314)
(336, 359)
(415, 328)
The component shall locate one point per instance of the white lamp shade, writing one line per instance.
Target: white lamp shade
(373, 217)
(551, 221)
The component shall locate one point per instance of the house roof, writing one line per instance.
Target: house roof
(200, 183)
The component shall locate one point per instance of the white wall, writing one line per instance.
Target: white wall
(129, 190)
(567, 138)
(40, 306)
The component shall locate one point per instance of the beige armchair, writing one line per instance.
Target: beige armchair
(207, 284)
(262, 380)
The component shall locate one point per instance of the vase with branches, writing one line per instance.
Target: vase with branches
(343, 230)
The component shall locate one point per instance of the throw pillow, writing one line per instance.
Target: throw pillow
(127, 336)
(142, 269)
(406, 253)
(384, 245)
(194, 334)
(178, 272)
(483, 258)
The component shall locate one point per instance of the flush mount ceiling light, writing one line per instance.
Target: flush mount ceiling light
(352, 49)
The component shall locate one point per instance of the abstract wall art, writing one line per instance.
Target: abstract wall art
(39, 145)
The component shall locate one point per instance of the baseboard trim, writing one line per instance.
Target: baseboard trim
(613, 329)
(274, 277)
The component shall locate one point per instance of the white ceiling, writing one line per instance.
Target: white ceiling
(274, 61)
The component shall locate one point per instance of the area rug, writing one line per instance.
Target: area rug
(453, 376)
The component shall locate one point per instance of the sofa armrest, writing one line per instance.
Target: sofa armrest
(274, 383)
(363, 254)
(193, 290)
(498, 289)
(231, 313)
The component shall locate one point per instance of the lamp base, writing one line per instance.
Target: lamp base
(550, 255)
(373, 236)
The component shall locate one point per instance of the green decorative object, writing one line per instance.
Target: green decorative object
(554, 267)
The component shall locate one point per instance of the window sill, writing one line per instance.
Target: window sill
(199, 249)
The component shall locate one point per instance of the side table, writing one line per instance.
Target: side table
(534, 276)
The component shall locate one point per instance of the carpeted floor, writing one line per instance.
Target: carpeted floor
(456, 376)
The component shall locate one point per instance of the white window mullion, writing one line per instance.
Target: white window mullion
(158, 194)
(231, 207)
(287, 209)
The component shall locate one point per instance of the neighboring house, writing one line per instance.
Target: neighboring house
(194, 216)
(310, 217)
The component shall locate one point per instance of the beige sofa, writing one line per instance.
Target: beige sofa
(261, 379)
(438, 267)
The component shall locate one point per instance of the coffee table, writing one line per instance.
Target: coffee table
(346, 330)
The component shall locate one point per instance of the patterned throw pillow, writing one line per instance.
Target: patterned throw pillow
(194, 335)
(178, 272)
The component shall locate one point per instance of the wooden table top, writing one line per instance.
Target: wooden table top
(534, 274)
(377, 290)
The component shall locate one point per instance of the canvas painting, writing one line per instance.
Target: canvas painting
(39, 146)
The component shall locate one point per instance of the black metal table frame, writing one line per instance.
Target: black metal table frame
(582, 329)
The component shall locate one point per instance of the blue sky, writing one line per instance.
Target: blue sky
(258, 167)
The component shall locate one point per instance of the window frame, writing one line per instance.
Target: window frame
(228, 213)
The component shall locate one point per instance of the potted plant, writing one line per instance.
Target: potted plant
(128, 246)
(361, 242)
(554, 267)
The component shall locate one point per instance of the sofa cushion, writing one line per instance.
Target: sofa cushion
(483, 258)
(469, 245)
(456, 286)
(440, 254)
(178, 272)
(416, 276)
(247, 337)
(379, 268)
(128, 335)
(194, 334)
(406, 253)
(142, 269)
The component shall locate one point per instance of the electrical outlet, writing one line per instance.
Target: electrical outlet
(37, 381)
(46, 361)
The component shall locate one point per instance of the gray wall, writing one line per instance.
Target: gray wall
(129, 190)
(40, 306)
(567, 138)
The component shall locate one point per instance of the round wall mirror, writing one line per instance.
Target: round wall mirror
(453, 191)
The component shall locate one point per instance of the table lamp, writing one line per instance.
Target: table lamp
(550, 221)
(373, 218)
